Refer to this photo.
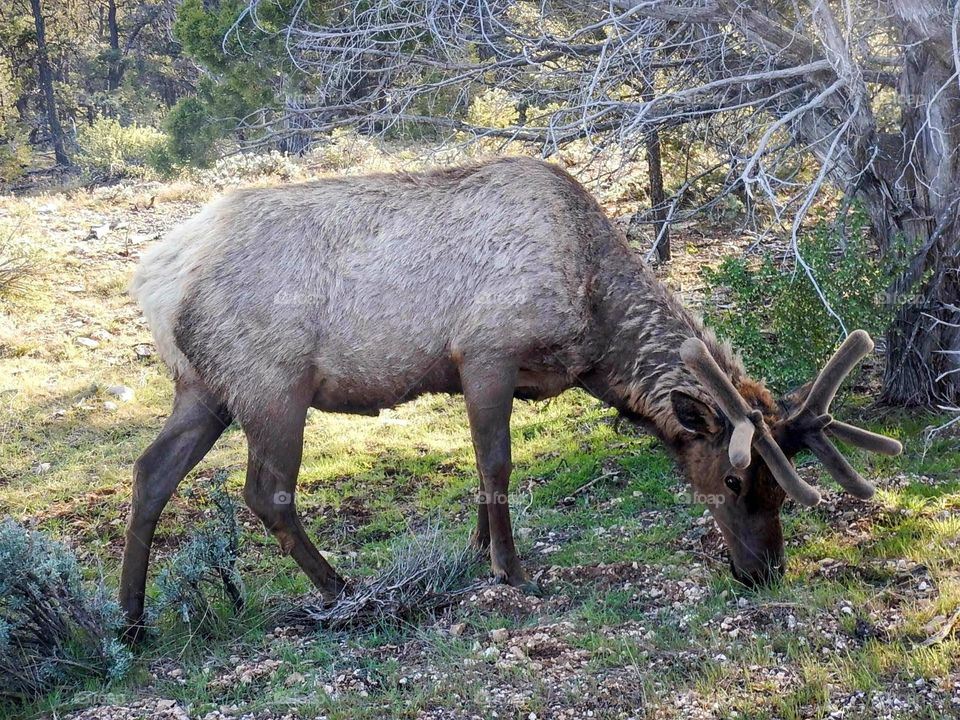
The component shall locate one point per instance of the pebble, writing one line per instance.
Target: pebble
(86, 342)
(121, 392)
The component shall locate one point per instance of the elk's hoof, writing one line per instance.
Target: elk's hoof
(520, 580)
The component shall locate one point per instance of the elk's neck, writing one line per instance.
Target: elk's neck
(644, 325)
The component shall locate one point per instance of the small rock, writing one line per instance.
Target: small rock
(86, 342)
(100, 231)
(143, 350)
(500, 635)
(110, 406)
(294, 679)
(41, 468)
(457, 629)
(121, 392)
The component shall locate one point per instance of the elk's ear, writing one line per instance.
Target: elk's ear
(694, 414)
(794, 399)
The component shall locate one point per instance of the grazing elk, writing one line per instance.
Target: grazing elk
(499, 280)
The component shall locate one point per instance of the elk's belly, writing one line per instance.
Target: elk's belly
(363, 395)
(367, 391)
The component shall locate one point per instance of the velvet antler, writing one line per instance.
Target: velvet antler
(811, 424)
(748, 425)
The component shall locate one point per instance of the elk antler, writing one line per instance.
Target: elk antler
(811, 423)
(748, 425)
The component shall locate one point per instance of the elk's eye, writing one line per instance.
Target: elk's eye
(732, 482)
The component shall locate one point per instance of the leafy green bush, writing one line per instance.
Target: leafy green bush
(772, 313)
(207, 561)
(111, 150)
(53, 628)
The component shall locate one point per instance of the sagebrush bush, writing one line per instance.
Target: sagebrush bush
(422, 574)
(54, 628)
(247, 166)
(493, 108)
(110, 150)
(205, 564)
(344, 149)
(16, 266)
(772, 313)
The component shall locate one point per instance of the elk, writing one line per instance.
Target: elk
(498, 280)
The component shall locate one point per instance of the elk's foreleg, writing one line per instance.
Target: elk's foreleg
(488, 391)
(196, 422)
(275, 446)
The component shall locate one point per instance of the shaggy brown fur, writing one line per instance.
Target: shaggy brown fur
(498, 280)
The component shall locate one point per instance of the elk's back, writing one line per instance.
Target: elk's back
(376, 285)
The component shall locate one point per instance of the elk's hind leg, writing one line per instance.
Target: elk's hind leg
(275, 440)
(488, 391)
(197, 420)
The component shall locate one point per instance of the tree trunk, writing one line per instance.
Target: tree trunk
(658, 198)
(913, 196)
(115, 60)
(45, 78)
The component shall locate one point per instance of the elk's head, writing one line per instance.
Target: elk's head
(740, 460)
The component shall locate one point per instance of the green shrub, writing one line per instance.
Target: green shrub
(773, 315)
(54, 629)
(14, 152)
(193, 133)
(207, 562)
(110, 150)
